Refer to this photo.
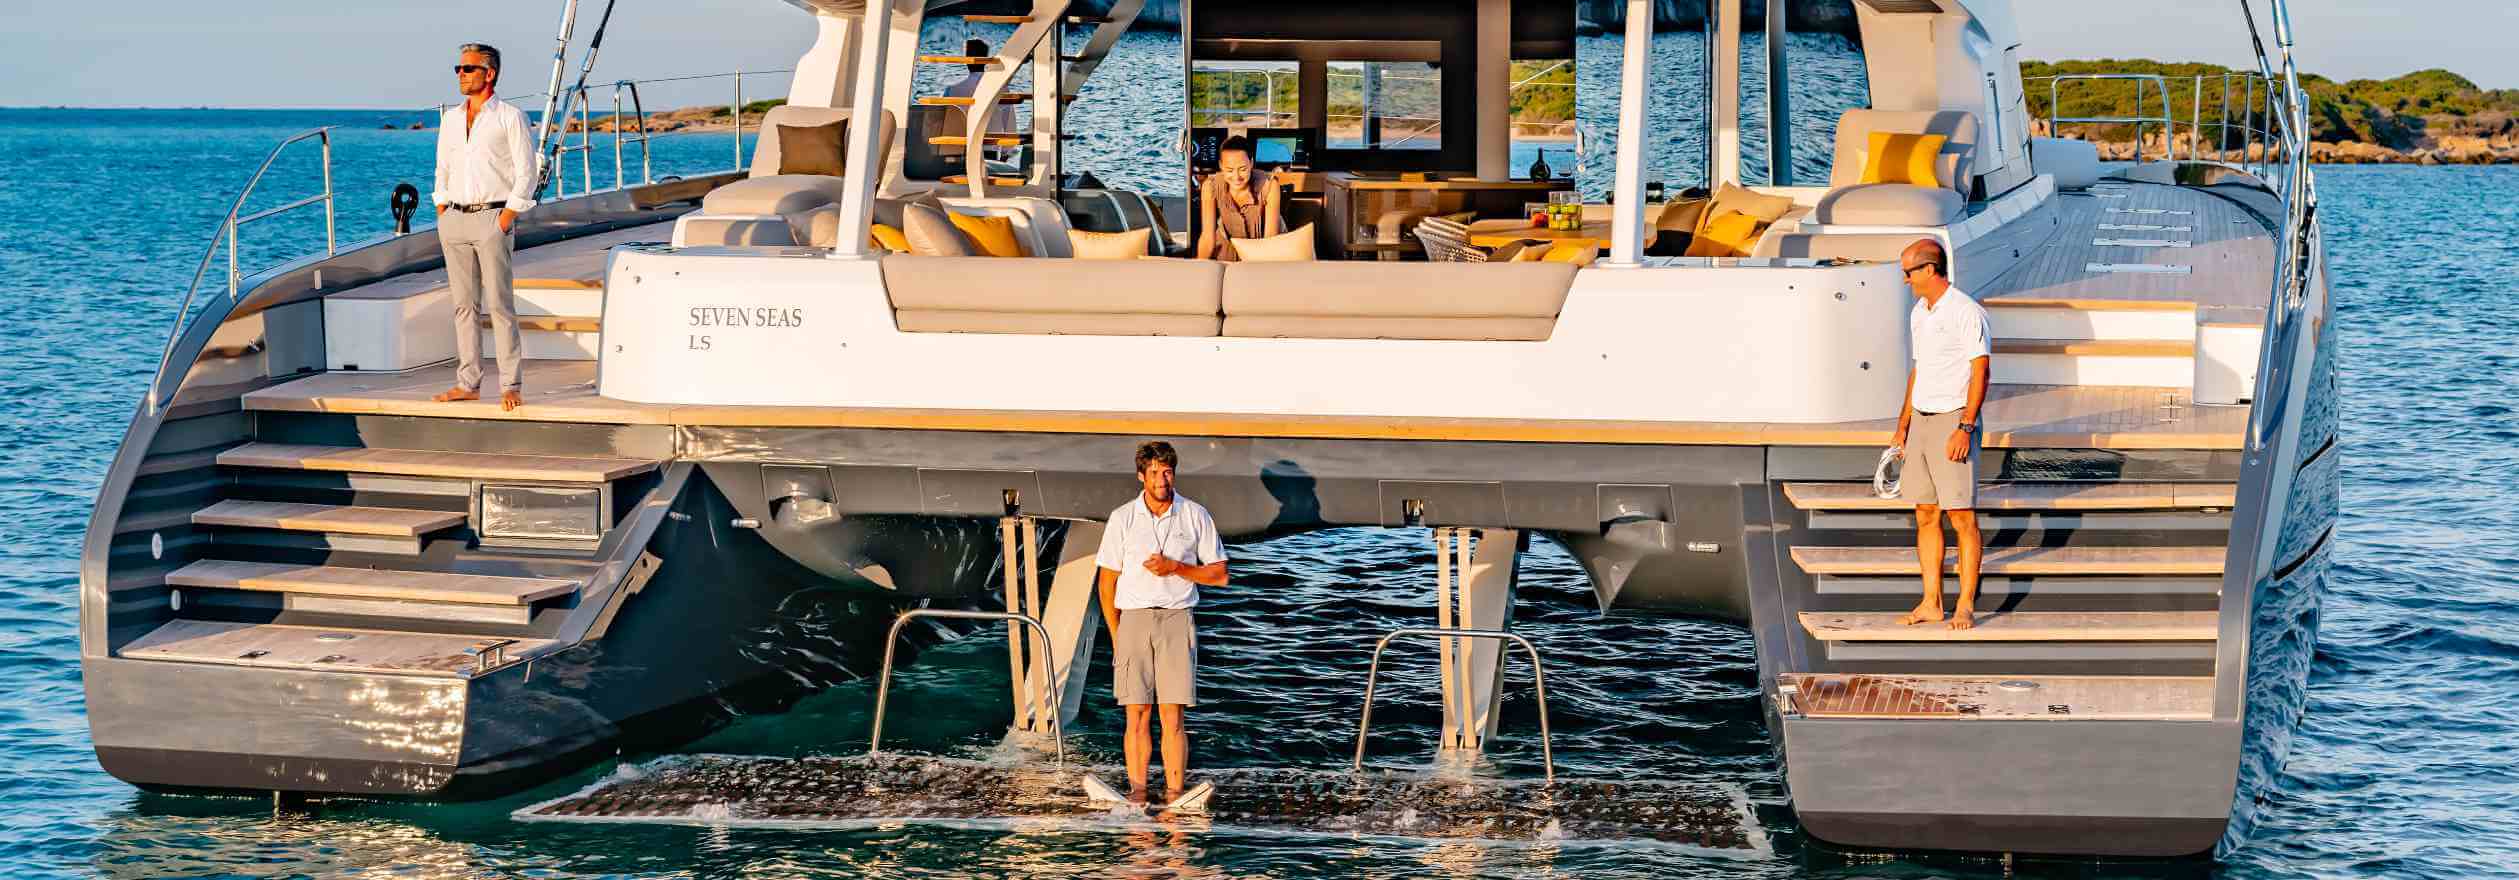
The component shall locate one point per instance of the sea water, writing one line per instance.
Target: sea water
(2403, 767)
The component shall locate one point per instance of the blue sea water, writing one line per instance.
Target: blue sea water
(2404, 765)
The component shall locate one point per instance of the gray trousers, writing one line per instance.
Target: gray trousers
(478, 270)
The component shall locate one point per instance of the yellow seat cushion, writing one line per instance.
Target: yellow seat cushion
(891, 238)
(992, 236)
(1130, 245)
(1579, 251)
(1291, 246)
(1893, 157)
(1729, 234)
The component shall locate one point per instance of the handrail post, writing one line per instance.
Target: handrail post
(1539, 685)
(332, 245)
(1050, 700)
(738, 111)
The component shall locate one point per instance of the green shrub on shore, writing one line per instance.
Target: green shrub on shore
(2399, 113)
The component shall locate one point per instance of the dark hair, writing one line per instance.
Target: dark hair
(1941, 258)
(1236, 142)
(1153, 451)
(486, 51)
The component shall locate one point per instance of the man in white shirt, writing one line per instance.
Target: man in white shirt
(1156, 552)
(1945, 390)
(485, 178)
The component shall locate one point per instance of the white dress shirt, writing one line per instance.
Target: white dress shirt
(1183, 534)
(492, 162)
(1946, 337)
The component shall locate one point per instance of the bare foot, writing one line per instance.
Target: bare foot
(510, 400)
(1137, 796)
(1963, 617)
(452, 395)
(1930, 613)
(1170, 795)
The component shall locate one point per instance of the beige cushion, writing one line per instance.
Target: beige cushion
(766, 158)
(1854, 137)
(703, 231)
(1290, 246)
(931, 234)
(1766, 208)
(1344, 289)
(1056, 324)
(774, 194)
(1466, 329)
(987, 284)
(1889, 204)
(811, 149)
(2074, 163)
(1130, 245)
(1683, 215)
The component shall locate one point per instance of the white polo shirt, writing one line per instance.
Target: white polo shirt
(1946, 337)
(1184, 534)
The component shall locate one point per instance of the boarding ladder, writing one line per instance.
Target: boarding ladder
(1037, 39)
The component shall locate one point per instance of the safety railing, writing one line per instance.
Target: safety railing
(629, 126)
(1539, 685)
(228, 234)
(2301, 252)
(2242, 129)
(883, 683)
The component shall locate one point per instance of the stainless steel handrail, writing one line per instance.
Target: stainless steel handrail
(580, 100)
(2167, 122)
(227, 230)
(883, 684)
(1539, 683)
(2300, 248)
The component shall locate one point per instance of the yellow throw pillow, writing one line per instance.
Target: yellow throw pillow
(991, 236)
(1903, 158)
(1729, 234)
(1130, 245)
(892, 239)
(1579, 251)
(1291, 246)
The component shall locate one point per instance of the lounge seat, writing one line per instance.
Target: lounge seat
(768, 208)
(1374, 300)
(1851, 202)
(1069, 297)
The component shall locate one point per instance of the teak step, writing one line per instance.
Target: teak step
(2008, 698)
(2017, 560)
(2098, 347)
(429, 463)
(2023, 626)
(992, 181)
(992, 140)
(983, 60)
(277, 646)
(996, 19)
(381, 521)
(558, 284)
(1090, 19)
(2029, 496)
(950, 101)
(554, 323)
(367, 583)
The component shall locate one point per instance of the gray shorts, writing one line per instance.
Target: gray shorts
(1928, 476)
(1155, 657)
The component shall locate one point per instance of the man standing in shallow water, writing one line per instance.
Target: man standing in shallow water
(1945, 390)
(485, 180)
(1156, 552)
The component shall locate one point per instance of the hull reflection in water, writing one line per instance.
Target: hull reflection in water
(891, 788)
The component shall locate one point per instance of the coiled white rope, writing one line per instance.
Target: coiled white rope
(1885, 475)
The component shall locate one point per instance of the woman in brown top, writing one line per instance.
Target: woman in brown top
(1238, 201)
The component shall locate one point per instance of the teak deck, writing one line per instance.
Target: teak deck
(303, 647)
(2024, 626)
(367, 583)
(2022, 698)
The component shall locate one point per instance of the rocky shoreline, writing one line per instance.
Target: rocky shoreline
(2446, 150)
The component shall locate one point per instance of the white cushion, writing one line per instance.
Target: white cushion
(1290, 246)
(774, 194)
(1128, 245)
(1854, 138)
(2075, 164)
(1889, 204)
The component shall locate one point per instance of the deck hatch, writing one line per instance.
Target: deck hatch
(569, 513)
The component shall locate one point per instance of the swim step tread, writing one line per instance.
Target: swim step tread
(2020, 626)
(433, 463)
(279, 646)
(331, 519)
(2018, 560)
(554, 323)
(2028, 698)
(368, 583)
(2098, 347)
(2029, 496)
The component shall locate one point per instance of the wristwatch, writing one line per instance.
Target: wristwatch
(1970, 427)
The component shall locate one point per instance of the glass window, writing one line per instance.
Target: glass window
(1543, 118)
(1385, 105)
(1256, 94)
(1824, 78)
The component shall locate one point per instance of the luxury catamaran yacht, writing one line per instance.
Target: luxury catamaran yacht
(303, 575)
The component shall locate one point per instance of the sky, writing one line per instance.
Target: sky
(312, 53)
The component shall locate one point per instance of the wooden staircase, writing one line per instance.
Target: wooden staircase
(367, 559)
(2098, 599)
(1034, 42)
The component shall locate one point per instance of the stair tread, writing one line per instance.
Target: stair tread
(433, 463)
(996, 19)
(2020, 626)
(966, 101)
(2018, 560)
(369, 583)
(2028, 496)
(306, 647)
(959, 59)
(558, 284)
(333, 519)
(2082, 697)
(2098, 347)
(993, 140)
(554, 323)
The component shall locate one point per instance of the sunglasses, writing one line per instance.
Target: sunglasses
(1917, 268)
(470, 68)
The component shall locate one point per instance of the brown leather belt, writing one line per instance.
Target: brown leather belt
(475, 209)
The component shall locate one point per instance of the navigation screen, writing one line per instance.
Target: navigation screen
(1275, 150)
